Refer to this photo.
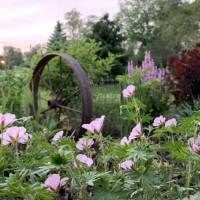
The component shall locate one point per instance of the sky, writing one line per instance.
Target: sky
(25, 23)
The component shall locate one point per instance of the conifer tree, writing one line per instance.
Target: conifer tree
(57, 40)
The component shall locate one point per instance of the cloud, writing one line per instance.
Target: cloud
(25, 22)
(8, 13)
(97, 7)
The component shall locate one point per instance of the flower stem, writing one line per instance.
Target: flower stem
(16, 151)
(188, 175)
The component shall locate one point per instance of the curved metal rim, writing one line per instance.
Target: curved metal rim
(82, 81)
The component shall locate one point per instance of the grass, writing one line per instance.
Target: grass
(106, 101)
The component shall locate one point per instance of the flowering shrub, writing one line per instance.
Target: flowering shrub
(184, 74)
(144, 95)
(15, 94)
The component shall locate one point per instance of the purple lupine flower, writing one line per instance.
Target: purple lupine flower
(150, 69)
(130, 67)
(148, 61)
(161, 73)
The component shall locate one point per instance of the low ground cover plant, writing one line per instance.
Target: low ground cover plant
(155, 161)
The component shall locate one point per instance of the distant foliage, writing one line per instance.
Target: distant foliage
(86, 52)
(14, 91)
(32, 57)
(184, 74)
(13, 56)
(74, 24)
(164, 27)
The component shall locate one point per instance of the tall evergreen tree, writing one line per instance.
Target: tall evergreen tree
(57, 40)
(107, 33)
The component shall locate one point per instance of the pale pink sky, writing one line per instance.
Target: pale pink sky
(29, 22)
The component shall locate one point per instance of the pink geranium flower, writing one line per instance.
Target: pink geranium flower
(84, 143)
(58, 136)
(84, 159)
(129, 91)
(124, 141)
(6, 119)
(126, 165)
(95, 126)
(159, 121)
(136, 132)
(195, 144)
(54, 182)
(15, 135)
(171, 122)
(195, 148)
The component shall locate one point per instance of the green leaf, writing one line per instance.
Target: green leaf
(103, 194)
(193, 197)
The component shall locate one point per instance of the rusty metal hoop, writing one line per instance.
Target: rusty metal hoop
(82, 80)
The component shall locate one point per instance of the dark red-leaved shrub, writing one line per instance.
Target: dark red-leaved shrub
(184, 74)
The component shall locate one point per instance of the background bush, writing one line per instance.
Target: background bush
(14, 91)
(184, 74)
